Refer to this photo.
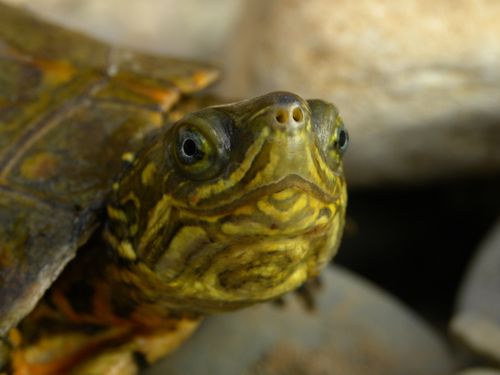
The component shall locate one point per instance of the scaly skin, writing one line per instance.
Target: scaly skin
(231, 206)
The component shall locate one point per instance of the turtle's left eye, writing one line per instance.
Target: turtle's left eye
(341, 141)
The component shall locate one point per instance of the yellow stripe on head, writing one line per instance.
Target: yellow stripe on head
(222, 184)
(148, 173)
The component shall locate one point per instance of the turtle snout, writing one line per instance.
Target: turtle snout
(289, 112)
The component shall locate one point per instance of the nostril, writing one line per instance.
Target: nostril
(281, 116)
(297, 114)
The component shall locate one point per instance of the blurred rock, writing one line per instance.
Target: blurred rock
(356, 330)
(418, 82)
(477, 319)
(188, 28)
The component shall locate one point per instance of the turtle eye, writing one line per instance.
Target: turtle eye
(191, 147)
(330, 132)
(338, 142)
(341, 141)
(200, 148)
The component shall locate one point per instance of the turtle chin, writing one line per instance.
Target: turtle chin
(257, 252)
(252, 271)
(243, 272)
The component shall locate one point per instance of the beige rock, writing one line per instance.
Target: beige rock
(188, 28)
(417, 81)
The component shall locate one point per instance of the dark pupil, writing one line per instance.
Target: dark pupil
(190, 150)
(189, 147)
(342, 139)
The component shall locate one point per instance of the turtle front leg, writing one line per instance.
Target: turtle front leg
(114, 362)
(147, 347)
(116, 350)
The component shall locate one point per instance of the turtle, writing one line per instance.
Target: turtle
(133, 202)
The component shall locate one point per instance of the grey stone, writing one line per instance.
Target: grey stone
(476, 322)
(356, 329)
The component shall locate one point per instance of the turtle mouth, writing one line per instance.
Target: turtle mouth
(289, 208)
(292, 181)
(296, 215)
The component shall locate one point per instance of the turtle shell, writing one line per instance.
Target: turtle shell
(70, 107)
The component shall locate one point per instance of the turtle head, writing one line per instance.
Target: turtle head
(235, 204)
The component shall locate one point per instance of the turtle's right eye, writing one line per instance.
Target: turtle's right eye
(194, 152)
(200, 148)
(191, 146)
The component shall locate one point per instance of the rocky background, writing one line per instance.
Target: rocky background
(418, 84)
